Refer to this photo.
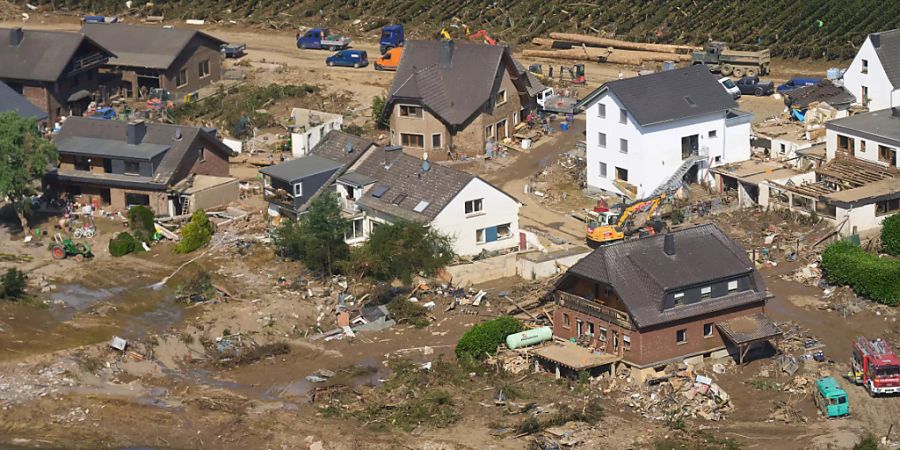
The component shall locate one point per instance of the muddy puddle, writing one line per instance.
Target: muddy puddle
(369, 372)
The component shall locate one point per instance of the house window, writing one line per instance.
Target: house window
(503, 231)
(132, 168)
(590, 328)
(82, 163)
(204, 68)
(865, 66)
(436, 139)
(623, 146)
(565, 320)
(681, 336)
(479, 236)
(626, 342)
(298, 189)
(713, 133)
(885, 207)
(707, 329)
(489, 131)
(412, 140)
(603, 334)
(579, 327)
(623, 116)
(502, 129)
(621, 174)
(887, 155)
(137, 199)
(705, 293)
(603, 170)
(182, 78)
(355, 230)
(601, 140)
(679, 299)
(601, 110)
(732, 285)
(865, 96)
(501, 97)
(474, 206)
(410, 111)
(862, 146)
(690, 145)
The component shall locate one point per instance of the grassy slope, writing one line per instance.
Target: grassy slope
(788, 27)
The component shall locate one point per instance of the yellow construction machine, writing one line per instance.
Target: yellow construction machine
(605, 227)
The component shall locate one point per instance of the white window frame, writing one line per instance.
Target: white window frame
(712, 327)
(601, 140)
(601, 110)
(509, 233)
(706, 293)
(362, 229)
(477, 206)
(200, 69)
(603, 169)
(603, 334)
(177, 76)
(501, 97)
(623, 146)
(298, 189)
(679, 298)
(732, 285)
(480, 236)
(421, 114)
(440, 137)
(626, 342)
(623, 116)
(683, 333)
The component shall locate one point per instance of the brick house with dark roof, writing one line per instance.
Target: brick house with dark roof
(452, 96)
(178, 60)
(56, 71)
(136, 163)
(664, 298)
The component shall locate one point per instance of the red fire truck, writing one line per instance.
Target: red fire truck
(875, 366)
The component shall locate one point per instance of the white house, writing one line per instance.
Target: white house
(874, 75)
(386, 186)
(308, 127)
(873, 136)
(647, 134)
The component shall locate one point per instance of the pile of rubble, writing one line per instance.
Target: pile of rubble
(680, 395)
(22, 385)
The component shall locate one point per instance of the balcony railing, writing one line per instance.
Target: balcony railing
(595, 309)
(87, 62)
(349, 205)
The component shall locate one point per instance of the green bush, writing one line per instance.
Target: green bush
(378, 104)
(867, 442)
(123, 244)
(890, 235)
(482, 339)
(870, 276)
(196, 233)
(12, 284)
(140, 220)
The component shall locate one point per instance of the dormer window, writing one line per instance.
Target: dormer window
(732, 286)
(705, 293)
(679, 298)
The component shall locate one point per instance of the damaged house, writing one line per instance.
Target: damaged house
(874, 75)
(119, 164)
(388, 186)
(450, 98)
(664, 299)
(56, 71)
(651, 133)
(177, 60)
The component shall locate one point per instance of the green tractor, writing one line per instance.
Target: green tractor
(64, 248)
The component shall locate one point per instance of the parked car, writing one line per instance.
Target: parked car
(390, 60)
(797, 82)
(752, 85)
(348, 58)
(233, 50)
(730, 87)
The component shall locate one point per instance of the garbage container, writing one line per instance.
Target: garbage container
(564, 126)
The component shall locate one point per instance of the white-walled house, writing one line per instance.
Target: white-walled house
(387, 185)
(873, 136)
(308, 127)
(874, 75)
(648, 133)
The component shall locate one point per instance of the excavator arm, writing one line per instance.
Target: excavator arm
(483, 35)
(648, 206)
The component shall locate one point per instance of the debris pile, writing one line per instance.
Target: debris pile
(680, 395)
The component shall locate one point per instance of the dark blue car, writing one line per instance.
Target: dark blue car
(797, 82)
(348, 58)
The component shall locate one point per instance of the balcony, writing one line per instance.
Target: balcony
(595, 309)
(87, 62)
(348, 205)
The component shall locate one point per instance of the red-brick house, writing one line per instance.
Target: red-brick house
(664, 298)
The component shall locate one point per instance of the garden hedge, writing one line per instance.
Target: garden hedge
(870, 276)
(196, 233)
(482, 340)
(890, 235)
(123, 244)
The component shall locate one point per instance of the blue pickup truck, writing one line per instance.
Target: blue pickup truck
(797, 82)
(321, 38)
(391, 37)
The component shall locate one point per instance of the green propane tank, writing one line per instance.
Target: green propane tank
(529, 337)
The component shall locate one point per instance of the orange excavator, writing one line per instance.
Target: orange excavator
(606, 227)
(482, 34)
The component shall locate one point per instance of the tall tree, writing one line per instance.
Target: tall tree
(317, 238)
(402, 250)
(24, 158)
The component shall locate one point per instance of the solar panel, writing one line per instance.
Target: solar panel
(399, 199)
(379, 191)
(421, 206)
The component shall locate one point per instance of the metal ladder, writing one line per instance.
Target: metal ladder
(674, 181)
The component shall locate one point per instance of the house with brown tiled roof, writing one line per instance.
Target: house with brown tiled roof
(665, 298)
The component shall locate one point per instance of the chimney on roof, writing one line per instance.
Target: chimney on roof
(446, 54)
(135, 132)
(669, 244)
(15, 36)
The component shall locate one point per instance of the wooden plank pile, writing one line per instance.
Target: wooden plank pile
(582, 47)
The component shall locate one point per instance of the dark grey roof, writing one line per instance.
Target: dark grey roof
(356, 179)
(11, 100)
(668, 95)
(300, 168)
(887, 47)
(145, 46)
(825, 91)
(883, 125)
(41, 55)
(175, 164)
(454, 91)
(401, 176)
(334, 147)
(78, 145)
(534, 85)
(641, 273)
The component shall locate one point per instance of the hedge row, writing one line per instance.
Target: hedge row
(482, 340)
(870, 276)
(890, 235)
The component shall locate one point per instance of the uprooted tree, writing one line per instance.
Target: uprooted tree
(402, 250)
(24, 158)
(317, 237)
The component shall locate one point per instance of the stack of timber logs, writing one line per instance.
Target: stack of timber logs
(591, 48)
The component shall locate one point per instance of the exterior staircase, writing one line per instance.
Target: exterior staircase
(674, 182)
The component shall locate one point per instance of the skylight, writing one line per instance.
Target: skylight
(690, 101)
(421, 206)
(379, 191)
(399, 199)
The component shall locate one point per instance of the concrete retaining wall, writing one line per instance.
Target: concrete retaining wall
(529, 265)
